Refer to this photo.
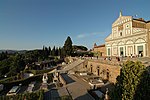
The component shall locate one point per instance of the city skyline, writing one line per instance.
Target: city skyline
(30, 24)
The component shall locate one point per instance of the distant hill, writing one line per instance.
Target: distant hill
(13, 51)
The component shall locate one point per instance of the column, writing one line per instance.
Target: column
(134, 53)
(111, 51)
(118, 51)
(145, 49)
(125, 50)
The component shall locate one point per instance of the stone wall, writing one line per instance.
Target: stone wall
(81, 67)
(105, 71)
(148, 38)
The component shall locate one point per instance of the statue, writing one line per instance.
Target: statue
(45, 78)
(106, 95)
(44, 85)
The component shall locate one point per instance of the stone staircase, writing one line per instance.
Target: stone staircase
(71, 66)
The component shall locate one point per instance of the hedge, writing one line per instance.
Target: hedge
(26, 81)
(35, 72)
(39, 95)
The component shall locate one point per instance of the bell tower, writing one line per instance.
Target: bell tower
(120, 14)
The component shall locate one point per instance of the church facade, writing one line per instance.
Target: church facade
(129, 37)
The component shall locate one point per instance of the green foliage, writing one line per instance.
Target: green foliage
(66, 97)
(35, 72)
(39, 95)
(3, 56)
(143, 88)
(8, 82)
(133, 82)
(68, 46)
(12, 65)
(53, 51)
(75, 48)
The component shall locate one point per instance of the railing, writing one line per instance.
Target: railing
(109, 61)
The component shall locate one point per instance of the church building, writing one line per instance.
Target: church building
(130, 37)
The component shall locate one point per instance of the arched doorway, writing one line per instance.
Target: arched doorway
(107, 74)
(91, 68)
(98, 70)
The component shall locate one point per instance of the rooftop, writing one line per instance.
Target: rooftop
(141, 19)
(102, 45)
(14, 89)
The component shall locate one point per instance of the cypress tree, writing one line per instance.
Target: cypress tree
(133, 82)
(68, 46)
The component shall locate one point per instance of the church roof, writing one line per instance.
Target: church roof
(103, 45)
(139, 19)
(148, 21)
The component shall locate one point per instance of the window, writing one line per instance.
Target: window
(140, 50)
(121, 51)
(126, 31)
(108, 51)
(129, 31)
(120, 33)
(85, 66)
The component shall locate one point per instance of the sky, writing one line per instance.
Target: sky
(30, 24)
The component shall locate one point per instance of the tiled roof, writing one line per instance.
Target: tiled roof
(142, 20)
(103, 45)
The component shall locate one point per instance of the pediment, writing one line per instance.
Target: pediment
(140, 40)
(109, 37)
(121, 20)
(129, 42)
(121, 43)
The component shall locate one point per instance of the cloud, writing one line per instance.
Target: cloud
(88, 34)
(82, 35)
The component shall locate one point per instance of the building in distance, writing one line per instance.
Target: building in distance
(100, 50)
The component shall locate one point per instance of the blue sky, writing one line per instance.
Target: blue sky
(30, 24)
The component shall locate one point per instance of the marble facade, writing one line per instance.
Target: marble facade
(129, 37)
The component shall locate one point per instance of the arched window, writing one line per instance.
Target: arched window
(107, 74)
(91, 68)
(98, 70)
(85, 66)
(120, 33)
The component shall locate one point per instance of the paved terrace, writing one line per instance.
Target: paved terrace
(68, 67)
(78, 89)
(114, 61)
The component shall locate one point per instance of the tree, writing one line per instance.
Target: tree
(68, 46)
(130, 82)
(3, 55)
(59, 51)
(50, 51)
(53, 51)
(46, 52)
(143, 89)
(62, 52)
(56, 52)
(75, 48)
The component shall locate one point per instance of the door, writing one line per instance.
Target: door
(121, 51)
(140, 50)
